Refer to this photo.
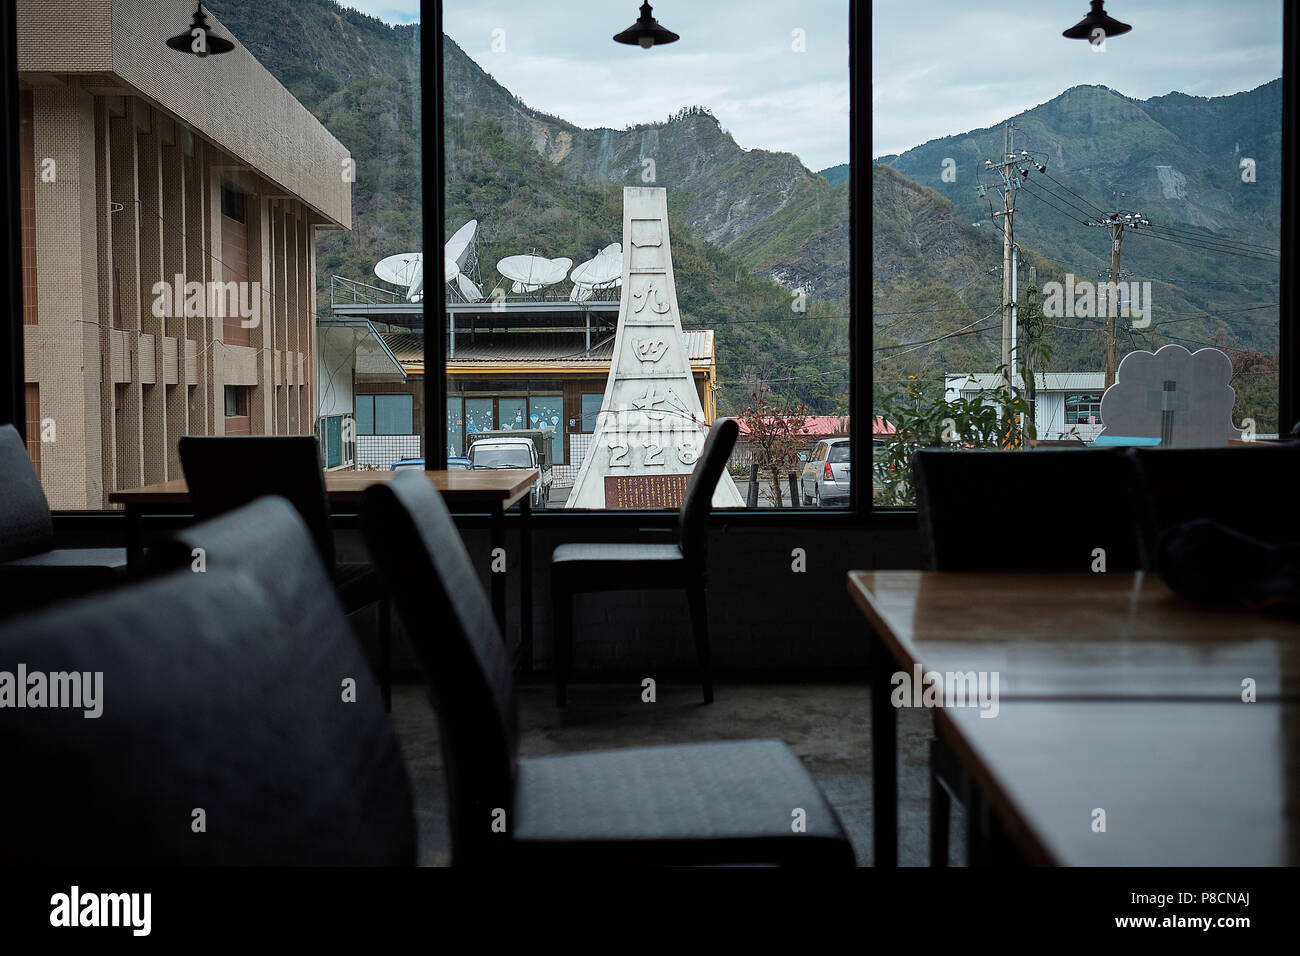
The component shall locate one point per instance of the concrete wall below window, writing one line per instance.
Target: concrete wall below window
(763, 616)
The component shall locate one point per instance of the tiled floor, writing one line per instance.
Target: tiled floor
(827, 725)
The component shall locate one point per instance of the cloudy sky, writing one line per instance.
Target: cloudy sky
(948, 66)
(937, 66)
(736, 58)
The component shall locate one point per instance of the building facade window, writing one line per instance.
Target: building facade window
(385, 415)
(32, 403)
(590, 409)
(236, 400)
(1083, 409)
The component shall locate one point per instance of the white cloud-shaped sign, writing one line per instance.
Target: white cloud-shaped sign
(1181, 397)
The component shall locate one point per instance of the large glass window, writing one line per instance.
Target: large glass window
(203, 237)
(570, 156)
(1041, 233)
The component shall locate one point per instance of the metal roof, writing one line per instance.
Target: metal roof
(1044, 381)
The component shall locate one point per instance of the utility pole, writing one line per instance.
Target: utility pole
(1012, 170)
(1116, 222)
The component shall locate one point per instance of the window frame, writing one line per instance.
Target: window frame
(860, 510)
(433, 163)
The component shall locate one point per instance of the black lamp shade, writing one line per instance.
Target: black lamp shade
(1096, 19)
(185, 42)
(646, 32)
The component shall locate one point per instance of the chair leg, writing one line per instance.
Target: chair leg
(561, 637)
(940, 805)
(695, 596)
(386, 652)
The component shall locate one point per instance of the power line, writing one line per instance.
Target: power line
(1193, 245)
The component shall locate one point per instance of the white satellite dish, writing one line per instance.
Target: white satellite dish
(400, 269)
(580, 292)
(415, 291)
(457, 248)
(468, 289)
(523, 287)
(601, 270)
(533, 272)
(450, 270)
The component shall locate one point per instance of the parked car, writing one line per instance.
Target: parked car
(412, 464)
(516, 448)
(825, 478)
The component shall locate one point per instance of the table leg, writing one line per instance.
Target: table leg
(498, 579)
(526, 583)
(884, 757)
(134, 540)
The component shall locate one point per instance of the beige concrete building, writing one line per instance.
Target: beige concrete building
(170, 205)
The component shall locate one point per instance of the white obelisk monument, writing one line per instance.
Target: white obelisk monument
(650, 429)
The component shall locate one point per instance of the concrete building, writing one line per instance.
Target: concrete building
(169, 209)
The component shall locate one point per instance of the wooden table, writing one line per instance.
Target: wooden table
(493, 490)
(1181, 783)
(1058, 637)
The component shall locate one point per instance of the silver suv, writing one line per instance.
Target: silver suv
(825, 479)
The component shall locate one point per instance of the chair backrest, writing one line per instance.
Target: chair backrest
(225, 472)
(1043, 510)
(222, 692)
(25, 523)
(698, 500)
(1254, 490)
(448, 617)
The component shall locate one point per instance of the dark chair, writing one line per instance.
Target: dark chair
(973, 505)
(711, 803)
(1044, 510)
(681, 565)
(1252, 489)
(32, 571)
(222, 692)
(225, 472)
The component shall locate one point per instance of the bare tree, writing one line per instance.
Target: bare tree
(776, 436)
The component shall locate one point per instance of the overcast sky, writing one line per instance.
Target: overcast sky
(937, 66)
(736, 58)
(949, 66)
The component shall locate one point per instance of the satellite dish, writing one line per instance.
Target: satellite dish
(400, 269)
(581, 293)
(450, 269)
(600, 271)
(468, 289)
(457, 248)
(523, 287)
(415, 291)
(534, 271)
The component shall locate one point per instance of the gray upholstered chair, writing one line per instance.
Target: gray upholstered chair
(224, 472)
(223, 691)
(713, 803)
(614, 566)
(32, 571)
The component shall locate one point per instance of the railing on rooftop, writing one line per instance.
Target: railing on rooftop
(345, 291)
